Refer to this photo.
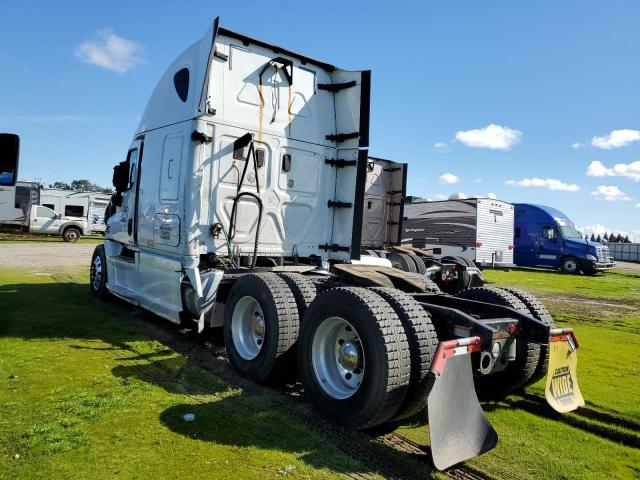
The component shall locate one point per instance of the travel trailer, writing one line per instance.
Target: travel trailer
(23, 207)
(478, 229)
(90, 206)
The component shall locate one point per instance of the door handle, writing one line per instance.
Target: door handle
(130, 226)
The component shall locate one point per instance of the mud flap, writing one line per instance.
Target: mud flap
(458, 427)
(562, 390)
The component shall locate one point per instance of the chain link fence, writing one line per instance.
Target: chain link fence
(625, 252)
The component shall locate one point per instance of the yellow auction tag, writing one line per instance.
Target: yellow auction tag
(562, 390)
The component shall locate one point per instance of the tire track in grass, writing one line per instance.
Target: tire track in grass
(601, 424)
(391, 455)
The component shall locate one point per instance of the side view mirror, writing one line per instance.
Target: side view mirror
(9, 155)
(58, 216)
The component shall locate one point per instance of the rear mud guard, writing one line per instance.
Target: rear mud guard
(562, 390)
(458, 427)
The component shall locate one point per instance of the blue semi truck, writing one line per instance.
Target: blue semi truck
(545, 237)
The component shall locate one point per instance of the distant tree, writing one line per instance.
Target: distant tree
(606, 237)
(60, 185)
(598, 238)
(619, 238)
(82, 186)
(626, 239)
(593, 237)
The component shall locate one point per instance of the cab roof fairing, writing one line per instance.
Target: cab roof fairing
(164, 107)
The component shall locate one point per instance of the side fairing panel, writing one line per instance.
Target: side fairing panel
(383, 203)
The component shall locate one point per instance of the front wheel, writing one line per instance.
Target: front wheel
(98, 273)
(570, 265)
(71, 234)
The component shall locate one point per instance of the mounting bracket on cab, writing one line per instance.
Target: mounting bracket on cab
(201, 137)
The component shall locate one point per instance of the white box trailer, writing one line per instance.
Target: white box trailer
(16, 202)
(478, 229)
(90, 206)
(241, 203)
(24, 207)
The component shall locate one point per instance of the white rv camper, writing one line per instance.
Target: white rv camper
(478, 229)
(90, 206)
(23, 207)
(240, 204)
(16, 202)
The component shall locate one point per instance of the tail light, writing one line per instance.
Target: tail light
(511, 246)
(478, 244)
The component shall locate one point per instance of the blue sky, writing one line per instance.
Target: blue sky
(517, 99)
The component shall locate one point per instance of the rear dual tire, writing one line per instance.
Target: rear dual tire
(261, 324)
(519, 371)
(353, 357)
(538, 311)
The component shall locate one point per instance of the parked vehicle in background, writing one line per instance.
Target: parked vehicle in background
(477, 229)
(90, 206)
(21, 209)
(15, 204)
(43, 220)
(383, 223)
(546, 237)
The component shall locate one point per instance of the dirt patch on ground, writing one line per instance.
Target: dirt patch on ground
(628, 267)
(45, 255)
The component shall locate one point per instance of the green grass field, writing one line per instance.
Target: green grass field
(11, 237)
(85, 392)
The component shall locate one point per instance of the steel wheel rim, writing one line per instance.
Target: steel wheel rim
(570, 265)
(72, 235)
(337, 358)
(248, 327)
(97, 273)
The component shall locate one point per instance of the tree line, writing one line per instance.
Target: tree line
(609, 238)
(81, 186)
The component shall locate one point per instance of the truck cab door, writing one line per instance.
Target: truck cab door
(123, 225)
(44, 220)
(548, 246)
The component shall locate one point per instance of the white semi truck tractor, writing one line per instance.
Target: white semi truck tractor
(240, 205)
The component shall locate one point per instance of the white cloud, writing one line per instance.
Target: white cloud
(111, 52)
(492, 136)
(448, 178)
(637, 205)
(440, 147)
(616, 139)
(610, 193)
(630, 170)
(441, 196)
(577, 146)
(491, 195)
(598, 229)
(550, 183)
(477, 180)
